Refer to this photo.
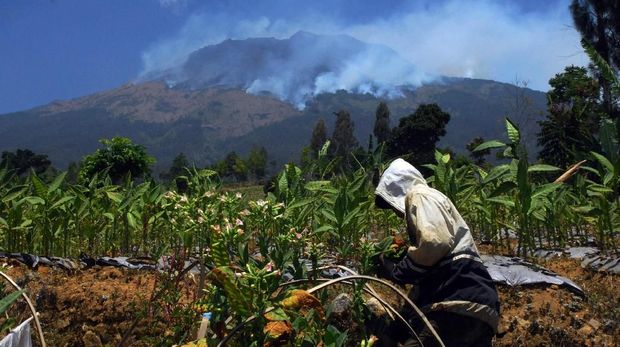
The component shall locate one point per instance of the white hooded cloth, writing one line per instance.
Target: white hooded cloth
(438, 227)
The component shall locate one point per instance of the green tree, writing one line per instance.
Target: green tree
(477, 156)
(257, 162)
(232, 167)
(73, 172)
(120, 157)
(568, 133)
(177, 168)
(598, 22)
(22, 160)
(343, 142)
(382, 128)
(319, 136)
(416, 135)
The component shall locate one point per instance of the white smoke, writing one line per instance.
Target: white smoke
(481, 39)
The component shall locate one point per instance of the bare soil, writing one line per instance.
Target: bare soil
(95, 307)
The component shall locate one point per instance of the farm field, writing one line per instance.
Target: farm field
(250, 259)
(95, 307)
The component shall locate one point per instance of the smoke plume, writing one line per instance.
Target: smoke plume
(481, 39)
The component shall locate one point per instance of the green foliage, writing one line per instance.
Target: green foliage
(477, 155)
(24, 160)
(257, 162)
(319, 137)
(120, 157)
(343, 142)
(416, 135)
(312, 216)
(232, 167)
(568, 134)
(382, 130)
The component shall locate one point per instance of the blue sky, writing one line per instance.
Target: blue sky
(63, 49)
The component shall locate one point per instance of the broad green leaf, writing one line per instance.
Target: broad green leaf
(503, 188)
(3, 222)
(349, 216)
(277, 315)
(131, 220)
(502, 200)
(39, 186)
(542, 168)
(513, 132)
(445, 158)
(13, 194)
(35, 200)
(8, 300)
(225, 279)
(299, 203)
(590, 169)
(323, 229)
(600, 189)
(62, 201)
(609, 176)
(545, 190)
(489, 145)
(495, 173)
(603, 161)
(316, 185)
(57, 182)
(114, 196)
(538, 213)
(282, 184)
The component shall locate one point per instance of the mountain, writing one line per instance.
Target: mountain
(264, 91)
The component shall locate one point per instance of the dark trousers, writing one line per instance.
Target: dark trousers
(454, 330)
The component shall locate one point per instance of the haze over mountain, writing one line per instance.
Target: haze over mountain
(295, 69)
(262, 91)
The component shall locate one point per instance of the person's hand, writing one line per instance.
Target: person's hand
(377, 259)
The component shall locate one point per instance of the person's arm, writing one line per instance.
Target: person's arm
(404, 271)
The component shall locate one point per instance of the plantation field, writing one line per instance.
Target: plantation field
(100, 304)
(255, 256)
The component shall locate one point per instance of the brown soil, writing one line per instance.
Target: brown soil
(100, 304)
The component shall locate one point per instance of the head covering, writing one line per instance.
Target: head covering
(396, 182)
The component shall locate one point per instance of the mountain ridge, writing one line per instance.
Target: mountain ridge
(207, 121)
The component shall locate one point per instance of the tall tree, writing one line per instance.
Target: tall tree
(177, 168)
(232, 166)
(567, 134)
(121, 157)
(22, 160)
(416, 135)
(257, 162)
(598, 22)
(382, 128)
(343, 142)
(319, 136)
